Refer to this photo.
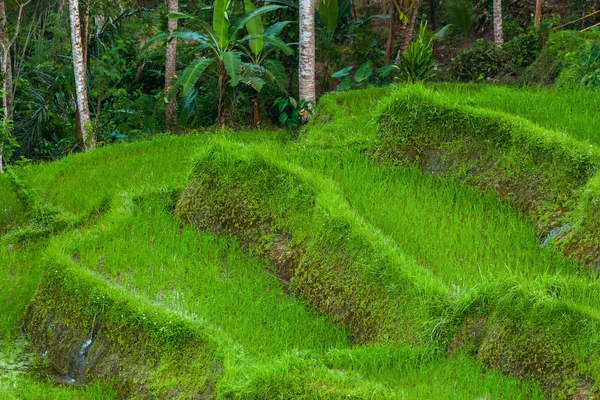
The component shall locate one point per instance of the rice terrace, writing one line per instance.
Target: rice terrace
(337, 199)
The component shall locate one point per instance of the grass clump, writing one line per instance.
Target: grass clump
(565, 60)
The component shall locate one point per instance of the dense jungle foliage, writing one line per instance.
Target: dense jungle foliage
(356, 45)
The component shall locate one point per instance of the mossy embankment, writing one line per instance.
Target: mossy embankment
(542, 172)
(331, 258)
(303, 226)
(136, 348)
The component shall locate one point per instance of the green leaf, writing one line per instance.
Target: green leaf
(191, 74)
(256, 83)
(328, 11)
(240, 23)
(254, 26)
(288, 3)
(386, 70)
(160, 37)
(221, 22)
(282, 118)
(277, 70)
(293, 102)
(345, 85)
(342, 72)
(179, 15)
(287, 50)
(233, 62)
(204, 40)
(211, 33)
(275, 29)
(283, 102)
(364, 72)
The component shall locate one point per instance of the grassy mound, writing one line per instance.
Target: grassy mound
(541, 172)
(136, 348)
(301, 224)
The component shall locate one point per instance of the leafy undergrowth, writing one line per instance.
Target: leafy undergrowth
(468, 285)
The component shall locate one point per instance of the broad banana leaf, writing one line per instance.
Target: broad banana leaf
(255, 27)
(276, 28)
(191, 74)
(221, 22)
(240, 23)
(233, 62)
(328, 11)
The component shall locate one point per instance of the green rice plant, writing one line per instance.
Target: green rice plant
(539, 171)
(570, 112)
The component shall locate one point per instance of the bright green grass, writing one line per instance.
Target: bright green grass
(11, 209)
(462, 235)
(145, 250)
(82, 182)
(574, 112)
(23, 387)
(20, 272)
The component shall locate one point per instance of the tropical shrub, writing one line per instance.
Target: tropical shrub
(417, 62)
(480, 62)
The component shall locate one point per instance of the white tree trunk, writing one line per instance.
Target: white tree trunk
(7, 74)
(171, 69)
(498, 37)
(79, 71)
(306, 70)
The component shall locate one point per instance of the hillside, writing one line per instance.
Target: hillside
(415, 242)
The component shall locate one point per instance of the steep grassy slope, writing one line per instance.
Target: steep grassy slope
(318, 247)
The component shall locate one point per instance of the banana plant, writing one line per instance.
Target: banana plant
(260, 67)
(225, 48)
(328, 12)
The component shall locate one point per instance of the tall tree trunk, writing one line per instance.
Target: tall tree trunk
(79, 72)
(538, 13)
(85, 25)
(389, 46)
(170, 69)
(407, 30)
(498, 37)
(7, 74)
(7, 101)
(306, 70)
(432, 15)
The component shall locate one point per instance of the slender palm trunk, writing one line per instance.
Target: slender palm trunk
(170, 69)
(7, 74)
(79, 72)
(538, 13)
(85, 25)
(498, 37)
(306, 73)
